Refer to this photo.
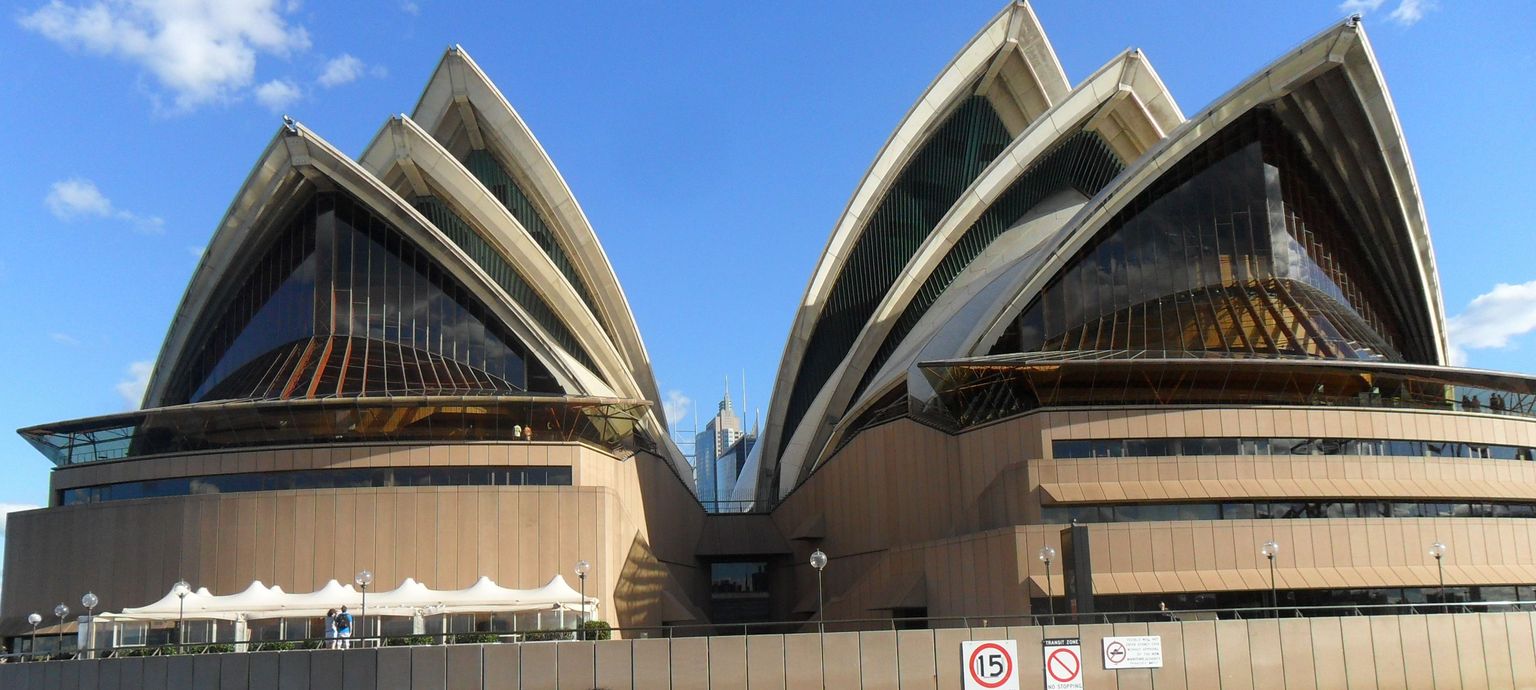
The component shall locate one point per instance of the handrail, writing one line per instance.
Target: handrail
(786, 627)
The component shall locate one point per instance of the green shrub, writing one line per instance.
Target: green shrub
(475, 638)
(414, 640)
(596, 630)
(313, 644)
(273, 646)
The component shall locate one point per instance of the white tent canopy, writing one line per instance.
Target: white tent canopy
(409, 599)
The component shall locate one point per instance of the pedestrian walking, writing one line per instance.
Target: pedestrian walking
(343, 628)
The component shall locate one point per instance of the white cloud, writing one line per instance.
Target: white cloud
(77, 198)
(7, 508)
(340, 70)
(1407, 13)
(277, 94)
(676, 406)
(133, 388)
(1411, 11)
(196, 252)
(1361, 6)
(64, 339)
(1493, 319)
(199, 50)
(410, 8)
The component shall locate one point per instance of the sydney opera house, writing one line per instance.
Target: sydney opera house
(1053, 314)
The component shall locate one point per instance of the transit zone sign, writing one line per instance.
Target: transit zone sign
(1063, 663)
(990, 664)
(1143, 651)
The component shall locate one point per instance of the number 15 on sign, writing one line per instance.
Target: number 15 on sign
(990, 664)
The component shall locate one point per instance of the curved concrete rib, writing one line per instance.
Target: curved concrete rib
(1381, 185)
(1124, 102)
(460, 92)
(1011, 63)
(296, 163)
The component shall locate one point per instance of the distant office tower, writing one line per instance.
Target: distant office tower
(728, 471)
(710, 445)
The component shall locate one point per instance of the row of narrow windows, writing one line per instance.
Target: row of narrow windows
(1278, 510)
(1162, 447)
(372, 477)
(1300, 598)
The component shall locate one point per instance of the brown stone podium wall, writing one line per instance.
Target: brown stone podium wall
(631, 518)
(1464, 651)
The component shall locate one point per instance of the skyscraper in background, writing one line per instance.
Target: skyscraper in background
(720, 433)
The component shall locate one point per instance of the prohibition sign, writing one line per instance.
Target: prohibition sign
(1115, 652)
(975, 673)
(1063, 665)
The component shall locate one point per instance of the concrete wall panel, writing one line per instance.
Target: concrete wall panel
(578, 661)
(1522, 650)
(501, 666)
(465, 667)
(1443, 652)
(765, 662)
(539, 669)
(652, 662)
(360, 669)
(916, 651)
(841, 652)
(1200, 666)
(690, 664)
(429, 668)
(803, 666)
(325, 668)
(292, 670)
(946, 646)
(394, 669)
(614, 666)
(727, 663)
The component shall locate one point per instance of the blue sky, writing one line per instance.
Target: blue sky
(712, 146)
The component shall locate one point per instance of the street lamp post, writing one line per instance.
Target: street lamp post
(1270, 549)
(363, 579)
(1048, 554)
(181, 589)
(61, 611)
(1438, 550)
(582, 566)
(819, 562)
(34, 619)
(89, 601)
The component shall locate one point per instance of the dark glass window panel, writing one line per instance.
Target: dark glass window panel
(519, 289)
(1071, 449)
(959, 149)
(491, 173)
(342, 304)
(1083, 163)
(1249, 255)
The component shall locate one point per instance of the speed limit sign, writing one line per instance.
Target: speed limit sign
(990, 664)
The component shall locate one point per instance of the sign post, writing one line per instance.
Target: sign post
(1143, 651)
(990, 664)
(1063, 663)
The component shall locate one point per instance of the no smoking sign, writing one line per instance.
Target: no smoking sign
(990, 664)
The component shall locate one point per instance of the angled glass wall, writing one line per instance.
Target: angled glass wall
(491, 173)
(1236, 250)
(496, 266)
(962, 146)
(1084, 162)
(342, 304)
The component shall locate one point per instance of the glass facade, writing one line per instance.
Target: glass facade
(485, 254)
(373, 477)
(491, 173)
(608, 424)
(1083, 163)
(1256, 599)
(1279, 510)
(1238, 248)
(342, 304)
(962, 146)
(981, 390)
(1167, 447)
